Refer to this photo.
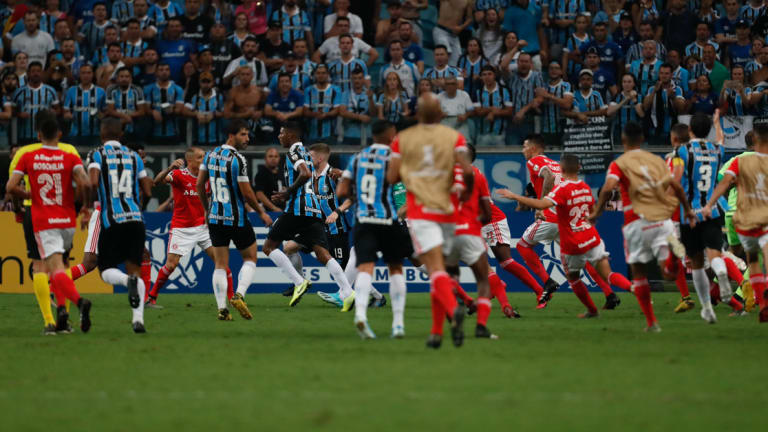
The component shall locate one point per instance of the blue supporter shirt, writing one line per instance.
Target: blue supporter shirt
(32, 100)
(286, 104)
(210, 133)
(322, 101)
(176, 53)
(357, 103)
(609, 53)
(525, 23)
(498, 97)
(161, 99)
(85, 105)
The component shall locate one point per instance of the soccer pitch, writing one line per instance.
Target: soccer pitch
(305, 368)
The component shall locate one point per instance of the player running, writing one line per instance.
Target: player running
(749, 172)
(119, 174)
(377, 228)
(302, 219)
(702, 161)
(424, 156)
(188, 228)
(580, 243)
(51, 172)
(545, 175)
(40, 280)
(226, 170)
(643, 179)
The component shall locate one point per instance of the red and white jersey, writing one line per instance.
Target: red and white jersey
(496, 214)
(574, 202)
(537, 166)
(50, 172)
(467, 222)
(626, 202)
(188, 211)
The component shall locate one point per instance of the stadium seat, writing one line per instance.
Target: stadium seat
(429, 57)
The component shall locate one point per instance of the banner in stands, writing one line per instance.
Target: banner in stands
(593, 136)
(735, 129)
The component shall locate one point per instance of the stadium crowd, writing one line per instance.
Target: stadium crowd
(502, 68)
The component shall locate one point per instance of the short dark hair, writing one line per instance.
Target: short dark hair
(472, 152)
(761, 132)
(130, 21)
(396, 41)
(42, 116)
(321, 148)
(294, 127)
(346, 35)
(283, 75)
(666, 66)
(569, 163)
(124, 69)
(114, 44)
(175, 18)
(536, 140)
(440, 47)
(111, 128)
(633, 132)
(235, 126)
(34, 64)
(681, 131)
(701, 124)
(488, 68)
(343, 18)
(380, 126)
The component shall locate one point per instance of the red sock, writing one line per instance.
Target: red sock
(498, 289)
(532, 260)
(736, 305)
(734, 273)
(230, 285)
(600, 281)
(521, 273)
(438, 314)
(714, 292)
(77, 271)
(643, 293)
(682, 282)
(483, 310)
(442, 285)
(671, 264)
(581, 292)
(162, 278)
(146, 275)
(618, 280)
(459, 291)
(758, 286)
(65, 287)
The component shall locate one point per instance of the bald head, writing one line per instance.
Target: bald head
(428, 109)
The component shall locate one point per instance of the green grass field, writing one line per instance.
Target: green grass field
(306, 369)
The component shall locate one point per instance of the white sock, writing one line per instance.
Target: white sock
(220, 287)
(245, 277)
(297, 263)
(701, 284)
(397, 297)
(345, 289)
(114, 276)
(351, 270)
(423, 268)
(362, 291)
(721, 271)
(281, 260)
(138, 313)
(375, 293)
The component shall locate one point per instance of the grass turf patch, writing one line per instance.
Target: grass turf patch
(305, 367)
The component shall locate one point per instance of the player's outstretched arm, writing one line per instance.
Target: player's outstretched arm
(250, 197)
(162, 176)
(202, 179)
(539, 204)
(344, 190)
(719, 191)
(605, 194)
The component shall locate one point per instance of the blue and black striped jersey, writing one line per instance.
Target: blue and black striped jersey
(472, 81)
(85, 105)
(208, 133)
(160, 99)
(341, 72)
(126, 101)
(322, 101)
(303, 201)
(702, 161)
(31, 100)
(374, 198)
(120, 170)
(93, 36)
(294, 26)
(226, 168)
(326, 195)
(497, 98)
(552, 115)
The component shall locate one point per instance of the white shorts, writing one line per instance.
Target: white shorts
(182, 240)
(467, 249)
(644, 241)
(427, 235)
(574, 263)
(753, 244)
(94, 228)
(496, 233)
(56, 240)
(540, 232)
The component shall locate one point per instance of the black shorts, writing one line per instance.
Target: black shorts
(29, 235)
(393, 241)
(705, 235)
(339, 247)
(221, 235)
(120, 243)
(304, 230)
